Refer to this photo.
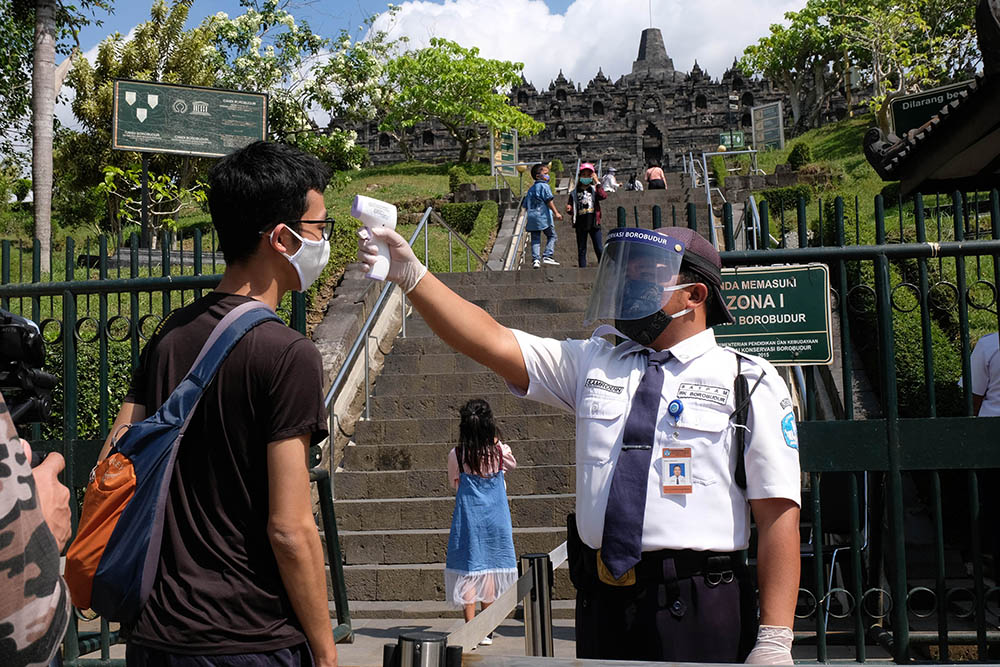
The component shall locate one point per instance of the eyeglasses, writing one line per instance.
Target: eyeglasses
(327, 226)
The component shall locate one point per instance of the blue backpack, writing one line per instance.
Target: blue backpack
(111, 565)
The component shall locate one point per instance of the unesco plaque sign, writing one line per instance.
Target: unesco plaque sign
(782, 313)
(167, 118)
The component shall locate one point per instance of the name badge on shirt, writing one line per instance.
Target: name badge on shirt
(675, 471)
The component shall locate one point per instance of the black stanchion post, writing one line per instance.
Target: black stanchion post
(538, 606)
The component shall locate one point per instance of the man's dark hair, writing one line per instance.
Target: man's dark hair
(256, 188)
(536, 169)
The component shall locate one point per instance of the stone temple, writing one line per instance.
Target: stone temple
(653, 113)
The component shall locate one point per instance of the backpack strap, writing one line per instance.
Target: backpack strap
(224, 337)
(741, 395)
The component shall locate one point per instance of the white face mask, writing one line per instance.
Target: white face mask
(309, 260)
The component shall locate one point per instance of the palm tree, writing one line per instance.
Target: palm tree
(43, 102)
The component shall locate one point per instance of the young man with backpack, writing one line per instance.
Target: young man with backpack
(236, 582)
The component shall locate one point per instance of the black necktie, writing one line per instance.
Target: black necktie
(621, 546)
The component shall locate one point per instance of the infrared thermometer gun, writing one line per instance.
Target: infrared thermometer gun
(374, 213)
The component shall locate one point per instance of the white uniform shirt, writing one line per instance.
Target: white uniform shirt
(596, 381)
(985, 363)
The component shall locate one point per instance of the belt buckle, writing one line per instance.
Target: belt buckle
(604, 574)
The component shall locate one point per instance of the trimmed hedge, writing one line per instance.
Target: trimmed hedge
(718, 167)
(456, 176)
(800, 155)
(464, 217)
(786, 198)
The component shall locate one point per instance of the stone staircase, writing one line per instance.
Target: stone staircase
(394, 503)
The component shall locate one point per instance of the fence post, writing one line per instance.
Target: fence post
(538, 605)
(622, 217)
(894, 479)
(657, 216)
(692, 214)
(727, 226)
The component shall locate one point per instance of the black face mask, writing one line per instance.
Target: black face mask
(645, 329)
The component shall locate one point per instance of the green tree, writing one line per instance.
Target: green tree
(459, 89)
(266, 50)
(802, 58)
(159, 50)
(352, 85)
(904, 45)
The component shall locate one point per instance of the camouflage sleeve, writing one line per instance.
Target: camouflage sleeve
(34, 604)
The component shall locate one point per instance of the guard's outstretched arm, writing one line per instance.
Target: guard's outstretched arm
(464, 326)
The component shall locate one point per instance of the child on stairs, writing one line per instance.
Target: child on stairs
(481, 564)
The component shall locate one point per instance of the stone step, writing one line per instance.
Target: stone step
(430, 545)
(558, 325)
(420, 581)
(414, 513)
(517, 304)
(434, 456)
(418, 329)
(416, 609)
(401, 431)
(424, 384)
(427, 406)
(527, 480)
(429, 364)
(551, 275)
(526, 290)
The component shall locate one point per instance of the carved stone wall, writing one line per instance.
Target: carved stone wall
(652, 113)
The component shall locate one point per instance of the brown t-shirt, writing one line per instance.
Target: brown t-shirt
(217, 588)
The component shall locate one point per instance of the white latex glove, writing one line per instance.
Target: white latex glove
(404, 268)
(773, 647)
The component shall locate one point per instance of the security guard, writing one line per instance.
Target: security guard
(654, 563)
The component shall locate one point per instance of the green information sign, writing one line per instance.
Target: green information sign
(768, 126)
(165, 118)
(503, 152)
(731, 140)
(914, 110)
(782, 313)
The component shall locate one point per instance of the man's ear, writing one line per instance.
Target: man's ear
(274, 239)
(697, 294)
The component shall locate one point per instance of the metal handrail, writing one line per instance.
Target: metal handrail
(520, 235)
(468, 249)
(362, 337)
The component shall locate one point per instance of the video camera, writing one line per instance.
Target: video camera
(26, 388)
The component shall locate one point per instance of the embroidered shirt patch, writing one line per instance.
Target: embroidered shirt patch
(703, 392)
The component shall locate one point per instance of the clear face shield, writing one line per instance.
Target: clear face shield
(638, 269)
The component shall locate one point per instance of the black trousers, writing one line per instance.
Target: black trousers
(679, 609)
(594, 234)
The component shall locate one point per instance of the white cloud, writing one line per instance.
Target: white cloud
(594, 33)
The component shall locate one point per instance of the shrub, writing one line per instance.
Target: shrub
(786, 198)
(800, 155)
(718, 167)
(462, 217)
(456, 176)
(556, 167)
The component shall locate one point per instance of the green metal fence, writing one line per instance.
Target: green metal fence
(899, 514)
(96, 310)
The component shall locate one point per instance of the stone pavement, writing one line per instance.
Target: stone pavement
(370, 635)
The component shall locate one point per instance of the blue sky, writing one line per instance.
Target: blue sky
(576, 36)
